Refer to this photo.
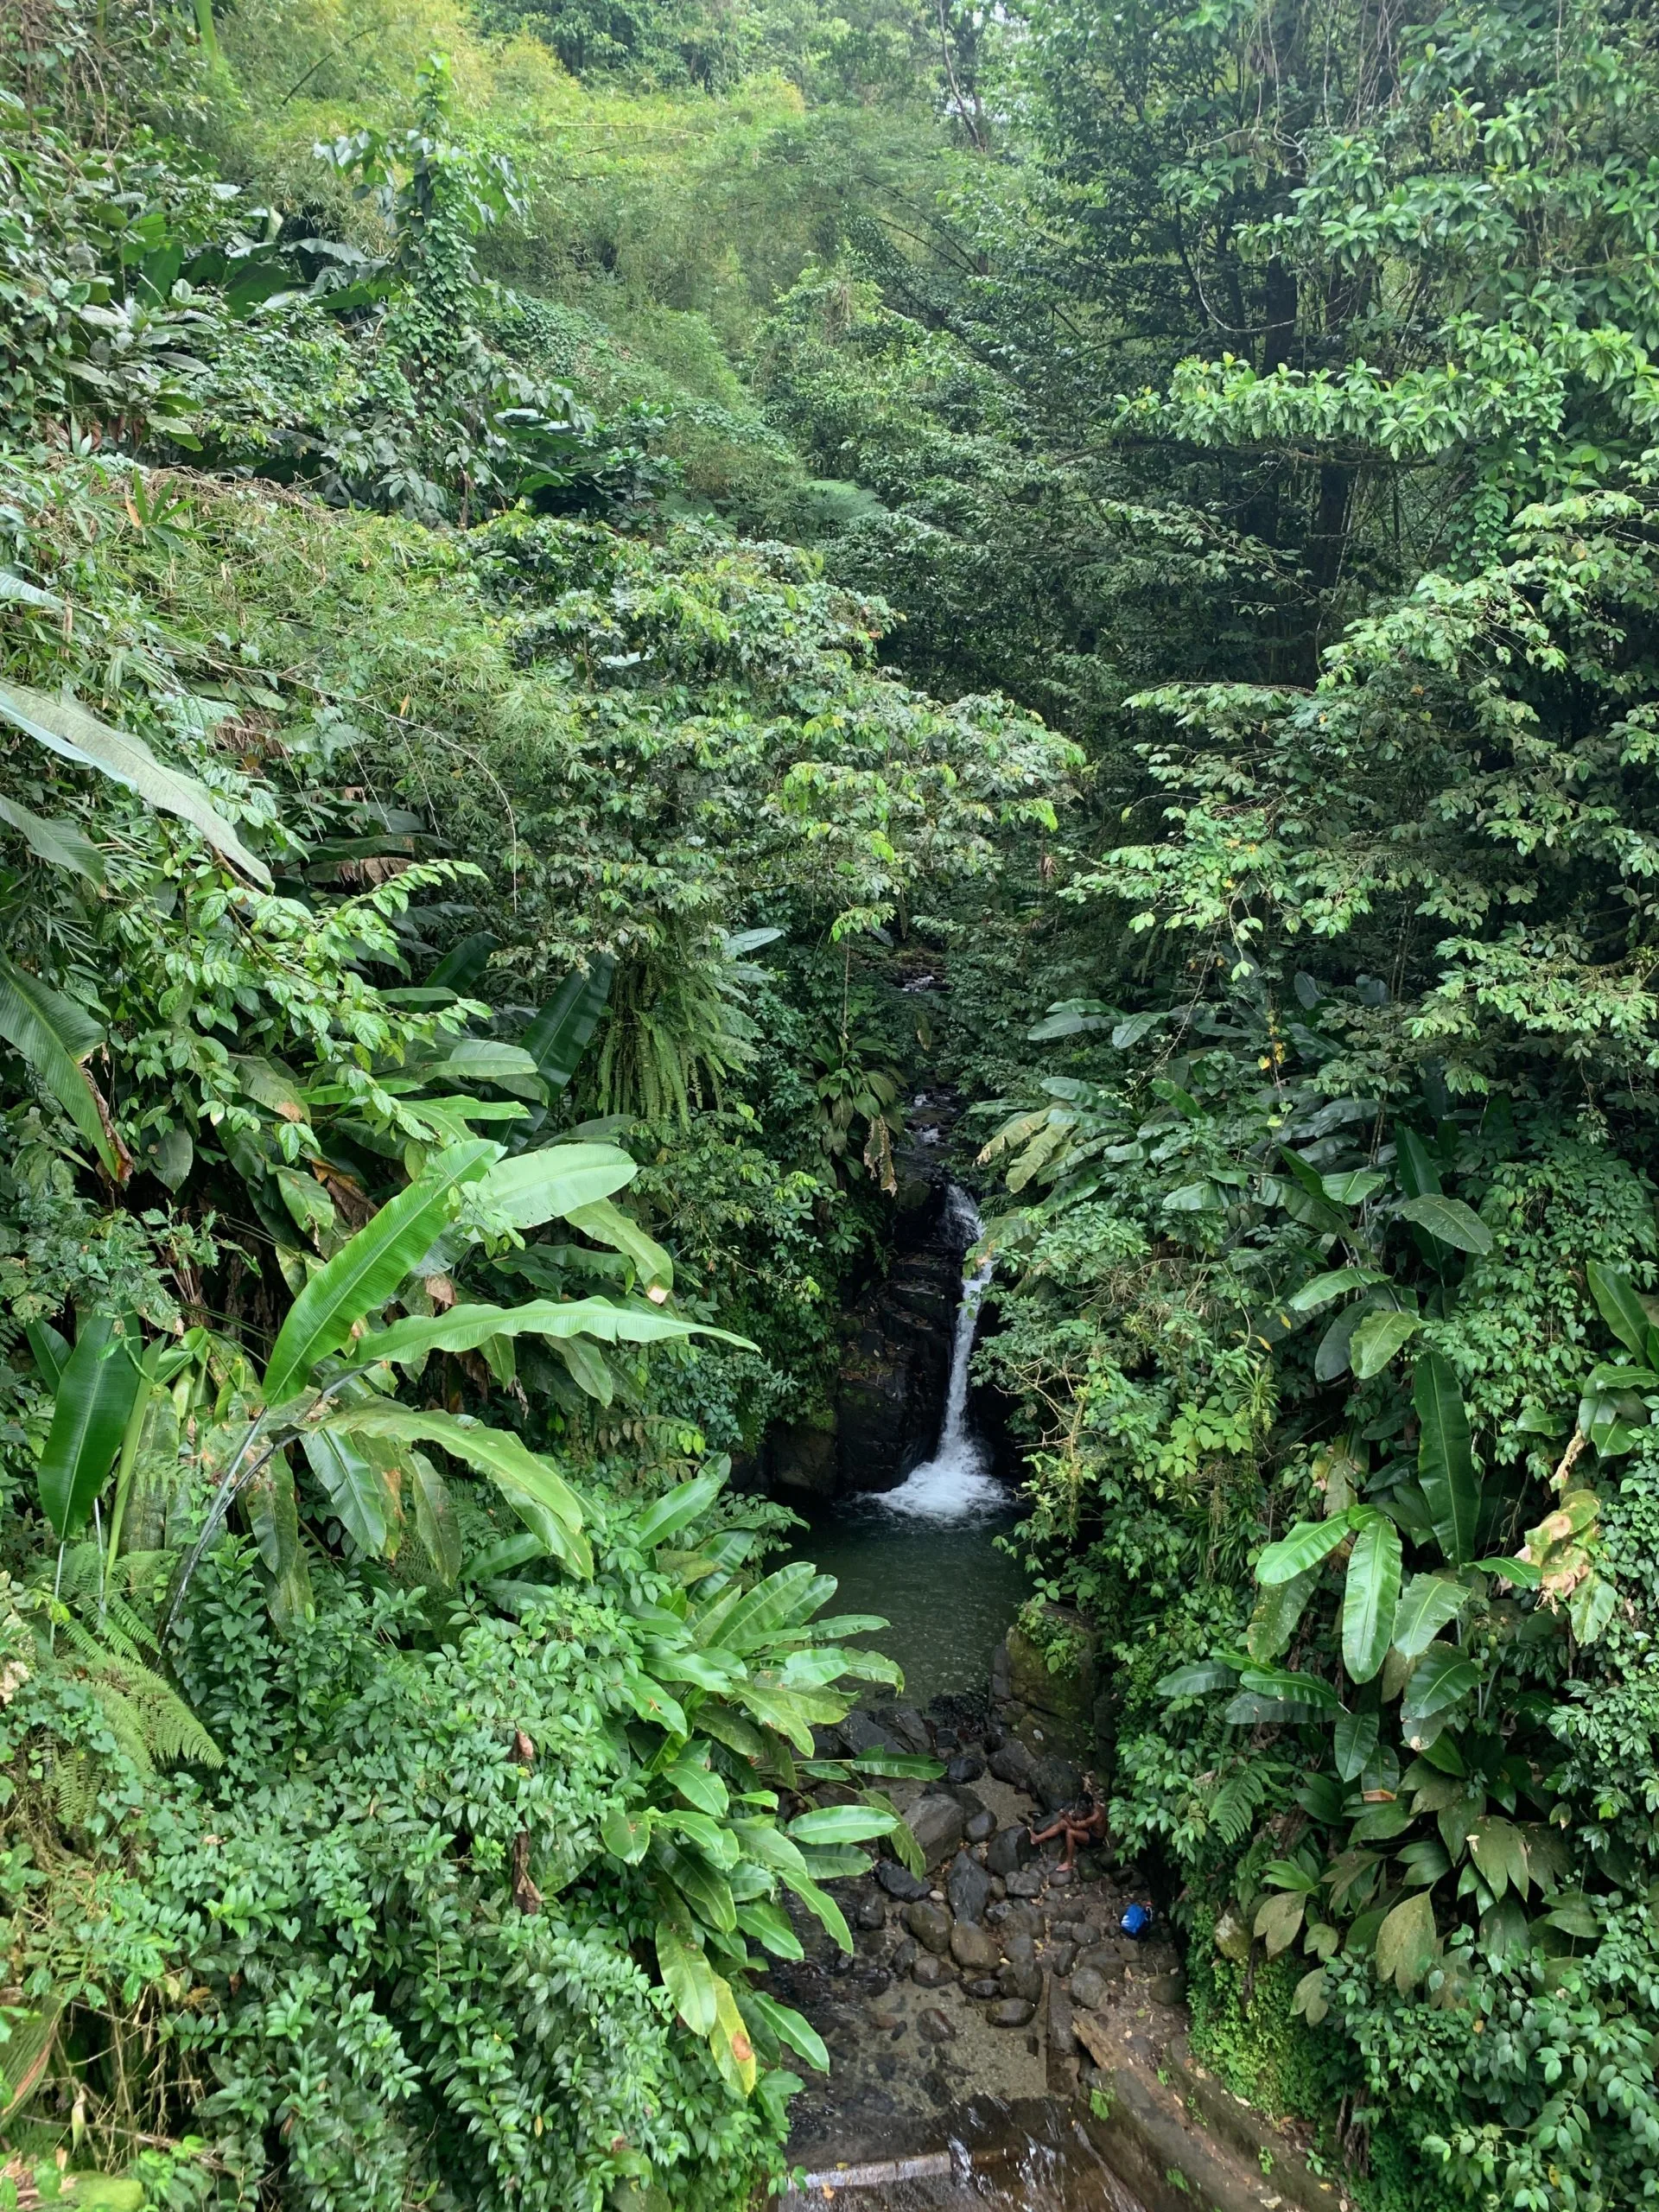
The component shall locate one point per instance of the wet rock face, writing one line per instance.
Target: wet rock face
(897, 1361)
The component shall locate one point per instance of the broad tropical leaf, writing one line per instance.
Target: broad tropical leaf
(96, 1392)
(558, 1035)
(1406, 1943)
(1193, 1681)
(539, 1496)
(1428, 1604)
(272, 1512)
(1353, 1741)
(59, 843)
(1445, 1462)
(463, 965)
(1370, 1597)
(463, 1328)
(689, 1979)
(676, 1510)
(365, 1272)
(842, 1824)
(1376, 1339)
(55, 1036)
(1323, 1288)
(535, 1187)
(608, 1224)
(65, 727)
(1308, 1543)
(1448, 1221)
(1620, 1307)
(356, 1485)
(789, 2027)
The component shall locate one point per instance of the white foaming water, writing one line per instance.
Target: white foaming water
(956, 1484)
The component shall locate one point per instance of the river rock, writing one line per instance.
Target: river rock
(930, 1924)
(908, 1725)
(1013, 1764)
(937, 2026)
(974, 1950)
(929, 1972)
(1011, 2012)
(969, 1888)
(937, 1824)
(1062, 1957)
(980, 1827)
(1168, 1989)
(861, 1731)
(1055, 1782)
(904, 1956)
(982, 1986)
(1021, 1945)
(1062, 2037)
(1022, 1980)
(1020, 1919)
(967, 1766)
(872, 1912)
(887, 2018)
(899, 1882)
(1027, 1885)
(1087, 1988)
(1011, 1849)
(1104, 1958)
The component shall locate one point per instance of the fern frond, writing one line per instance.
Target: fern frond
(1233, 1807)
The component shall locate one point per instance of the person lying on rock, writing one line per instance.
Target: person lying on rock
(1084, 1822)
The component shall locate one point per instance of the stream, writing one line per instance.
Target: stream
(924, 1556)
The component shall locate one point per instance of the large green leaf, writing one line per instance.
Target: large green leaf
(540, 1496)
(788, 2026)
(1370, 1597)
(676, 1510)
(1323, 1288)
(65, 727)
(1308, 1543)
(769, 1924)
(1446, 1461)
(463, 965)
(791, 1594)
(1406, 1943)
(1620, 1307)
(1441, 1679)
(59, 843)
(463, 1328)
(355, 1483)
(534, 1187)
(367, 1271)
(1376, 1339)
(1448, 1221)
(558, 1035)
(95, 1395)
(842, 1824)
(55, 1036)
(689, 1979)
(272, 1512)
(1428, 1604)
(608, 1224)
(434, 1518)
(1279, 1607)
(1499, 1849)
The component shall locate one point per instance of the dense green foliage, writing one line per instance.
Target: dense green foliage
(546, 554)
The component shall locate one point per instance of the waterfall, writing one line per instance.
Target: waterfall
(956, 1484)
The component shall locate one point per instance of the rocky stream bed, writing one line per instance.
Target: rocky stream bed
(997, 2038)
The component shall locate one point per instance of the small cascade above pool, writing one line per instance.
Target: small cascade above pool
(956, 1483)
(924, 1555)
